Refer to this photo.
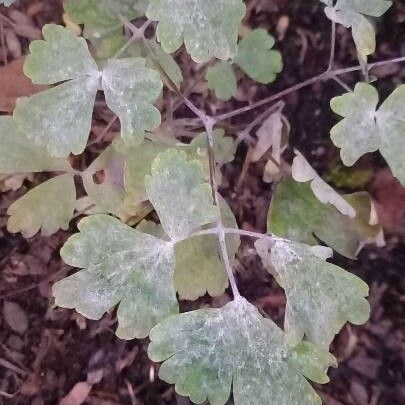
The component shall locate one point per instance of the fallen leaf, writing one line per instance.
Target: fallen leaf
(14, 84)
(77, 395)
(15, 317)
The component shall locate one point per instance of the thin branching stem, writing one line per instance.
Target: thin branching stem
(332, 46)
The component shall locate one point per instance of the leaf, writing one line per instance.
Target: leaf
(60, 56)
(49, 207)
(7, 3)
(321, 297)
(167, 63)
(222, 80)
(303, 172)
(208, 28)
(208, 350)
(257, 59)
(199, 268)
(179, 194)
(59, 118)
(351, 14)
(19, 155)
(366, 129)
(120, 265)
(295, 213)
(103, 181)
(15, 317)
(130, 89)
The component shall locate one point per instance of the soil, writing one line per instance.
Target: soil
(56, 349)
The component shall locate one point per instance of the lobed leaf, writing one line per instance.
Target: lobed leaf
(353, 14)
(20, 155)
(180, 196)
(208, 28)
(207, 351)
(321, 297)
(49, 207)
(256, 57)
(120, 265)
(222, 80)
(366, 129)
(295, 213)
(130, 88)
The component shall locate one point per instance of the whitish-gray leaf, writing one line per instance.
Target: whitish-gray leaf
(120, 265)
(59, 118)
(257, 58)
(60, 56)
(18, 154)
(180, 196)
(48, 207)
(207, 351)
(130, 89)
(302, 171)
(222, 80)
(208, 28)
(321, 297)
(366, 129)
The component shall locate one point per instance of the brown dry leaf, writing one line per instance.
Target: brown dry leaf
(77, 395)
(14, 84)
(15, 317)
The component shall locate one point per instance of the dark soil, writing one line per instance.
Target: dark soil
(60, 348)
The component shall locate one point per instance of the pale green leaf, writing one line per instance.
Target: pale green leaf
(130, 88)
(295, 213)
(321, 297)
(7, 3)
(49, 207)
(222, 80)
(19, 155)
(365, 129)
(60, 56)
(167, 63)
(120, 265)
(199, 268)
(257, 58)
(59, 118)
(179, 194)
(302, 171)
(208, 28)
(103, 181)
(352, 14)
(207, 351)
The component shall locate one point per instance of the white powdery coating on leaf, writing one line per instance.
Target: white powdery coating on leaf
(120, 265)
(205, 352)
(321, 297)
(209, 28)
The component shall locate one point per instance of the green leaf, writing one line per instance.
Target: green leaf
(222, 80)
(59, 118)
(60, 56)
(208, 28)
(295, 213)
(102, 25)
(321, 297)
(167, 63)
(130, 88)
(7, 3)
(180, 196)
(20, 155)
(49, 207)
(207, 351)
(256, 57)
(120, 265)
(352, 14)
(103, 181)
(365, 129)
(199, 268)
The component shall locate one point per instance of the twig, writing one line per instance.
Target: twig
(332, 47)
